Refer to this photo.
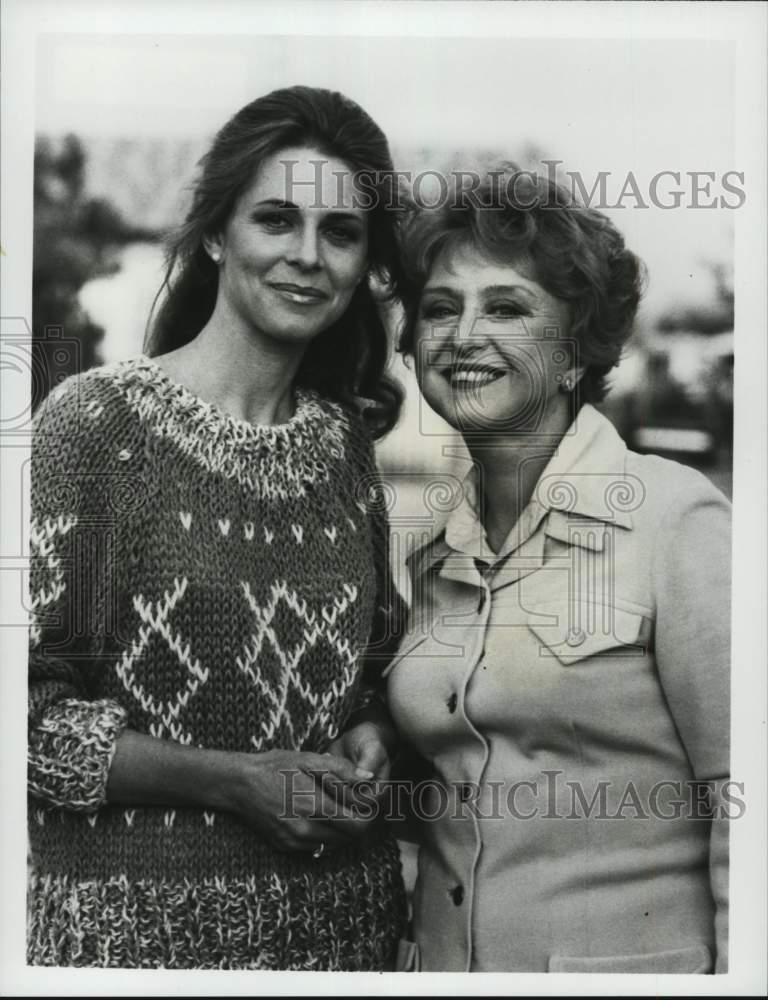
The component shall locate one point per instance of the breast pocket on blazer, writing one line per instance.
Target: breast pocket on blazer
(575, 631)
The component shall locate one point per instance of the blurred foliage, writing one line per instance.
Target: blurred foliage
(709, 318)
(76, 238)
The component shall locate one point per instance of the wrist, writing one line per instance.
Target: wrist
(226, 782)
(147, 771)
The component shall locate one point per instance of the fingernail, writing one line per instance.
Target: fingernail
(363, 774)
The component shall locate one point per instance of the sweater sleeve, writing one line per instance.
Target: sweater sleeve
(390, 610)
(71, 736)
(692, 582)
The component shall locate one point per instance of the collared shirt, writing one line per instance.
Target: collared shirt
(592, 648)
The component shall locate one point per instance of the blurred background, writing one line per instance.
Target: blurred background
(122, 121)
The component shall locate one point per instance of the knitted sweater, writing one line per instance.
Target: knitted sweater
(212, 582)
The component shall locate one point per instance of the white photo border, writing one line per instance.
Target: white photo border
(744, 25)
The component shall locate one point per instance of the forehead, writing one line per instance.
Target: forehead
(464, 267)
(307, 178)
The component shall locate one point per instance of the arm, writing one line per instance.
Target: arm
(370, 738)
(692, 580)
(276, 793)
(71, 736)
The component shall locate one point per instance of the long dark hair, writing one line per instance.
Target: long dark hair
(347, 361)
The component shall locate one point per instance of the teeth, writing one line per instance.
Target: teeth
(473, 376)
(299, 296)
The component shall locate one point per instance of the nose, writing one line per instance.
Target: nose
(304, 251)
(460, 330)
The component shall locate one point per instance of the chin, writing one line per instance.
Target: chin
(461, 415)
(294, 333)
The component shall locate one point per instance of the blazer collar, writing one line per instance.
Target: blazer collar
(585, 478)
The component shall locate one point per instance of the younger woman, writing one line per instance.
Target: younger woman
(207, 570)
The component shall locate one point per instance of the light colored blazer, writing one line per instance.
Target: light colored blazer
(567, 691)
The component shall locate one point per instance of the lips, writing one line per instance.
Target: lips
(304, 294)
(467, 377)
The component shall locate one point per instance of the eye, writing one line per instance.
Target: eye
(438, 310)
(504, 309)
(344, 235)
(275, 222)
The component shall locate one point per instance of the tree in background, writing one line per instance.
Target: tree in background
(76, 238)
(708, 318)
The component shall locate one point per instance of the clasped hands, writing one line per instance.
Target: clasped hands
(299, 801)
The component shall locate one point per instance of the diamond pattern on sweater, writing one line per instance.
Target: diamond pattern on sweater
(317, 625)
(43, 537)
(155, 622)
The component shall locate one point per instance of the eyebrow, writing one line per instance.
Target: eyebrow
(441, 290)
(289, 206)
(504, 289)
(488, 290)
(276, 203)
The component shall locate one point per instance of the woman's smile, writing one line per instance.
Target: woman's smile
(466, 377)
(302, 295)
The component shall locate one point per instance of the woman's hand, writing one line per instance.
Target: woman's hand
(296, 800)
(366, 747)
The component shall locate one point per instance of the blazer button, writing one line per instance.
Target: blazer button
(576, 637)
(452, 703)
(457, 895)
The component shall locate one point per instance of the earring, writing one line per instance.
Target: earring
(567, 384)
(215, 256)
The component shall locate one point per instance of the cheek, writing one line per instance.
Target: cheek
(346, 269)
(258, 256)
(433, 386)
(419, 365)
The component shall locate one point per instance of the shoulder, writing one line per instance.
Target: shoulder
(84, 433)
(77, 405)
(686, 522)
(669, 490)
(352, 429)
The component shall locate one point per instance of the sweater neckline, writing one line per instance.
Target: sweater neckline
(272, 460)
(210, 413)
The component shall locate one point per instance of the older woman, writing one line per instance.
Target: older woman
(566, 669)
(206, 575)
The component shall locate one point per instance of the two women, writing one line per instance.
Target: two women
(566, 667)
(207, 572)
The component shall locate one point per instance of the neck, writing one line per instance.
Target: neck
(248, 376)
(509, 468)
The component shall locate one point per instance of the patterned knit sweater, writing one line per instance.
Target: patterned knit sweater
(212, 582)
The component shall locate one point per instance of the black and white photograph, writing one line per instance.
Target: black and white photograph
(383, 443)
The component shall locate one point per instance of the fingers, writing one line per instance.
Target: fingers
(334, 828)
(372, 756)
(321, 764)
(322, 803)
